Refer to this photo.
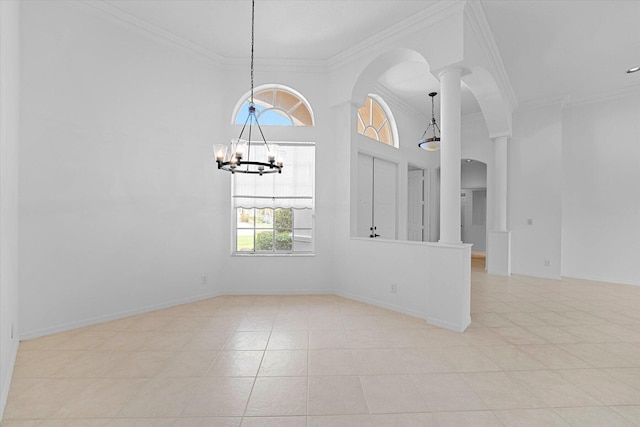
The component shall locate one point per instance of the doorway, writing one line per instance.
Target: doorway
(473, 205)
(418, 229)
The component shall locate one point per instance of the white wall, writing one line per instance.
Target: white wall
(117, 207)
(123, 209)
(534, 191)
(601, 192)
(9, 136)
(473, 175)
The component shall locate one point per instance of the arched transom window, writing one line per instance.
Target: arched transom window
(374, 121)
(276, 105)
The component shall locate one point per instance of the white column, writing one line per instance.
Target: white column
(500, 180)
(450, 156)
(499, 238)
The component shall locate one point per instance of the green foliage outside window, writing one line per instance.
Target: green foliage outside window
(267, 230)
(282, 239)
(264, 241)
(284, 219)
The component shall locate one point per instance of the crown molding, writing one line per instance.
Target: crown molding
(148, 28)
(569, 101)
(423, 19)
(474, 12)
(633, 90)
(535, 104)
(268, 64)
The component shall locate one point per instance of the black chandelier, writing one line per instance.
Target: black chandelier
(432, 143)
(236, 157)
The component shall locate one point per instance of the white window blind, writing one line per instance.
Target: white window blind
(293, 188)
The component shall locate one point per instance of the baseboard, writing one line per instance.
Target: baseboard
(448, 325)
(9, 375)
(276, 292)
(382, 304)
(115, 316)
(607, 280)
(537, 275)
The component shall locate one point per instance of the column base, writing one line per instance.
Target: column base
(499, 253)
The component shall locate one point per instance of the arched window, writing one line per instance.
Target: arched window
(274, 214)
(276, 105)
(375, 121)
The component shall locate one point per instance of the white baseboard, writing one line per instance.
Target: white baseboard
(537, 275)
(382, 304)
(114, 316)
(276, 292)
(448, 325)
(609, 280)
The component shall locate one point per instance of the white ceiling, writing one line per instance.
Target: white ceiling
(576, 48)
(317, 29)
(550, 49)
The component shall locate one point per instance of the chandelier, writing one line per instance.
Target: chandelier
(432, 143)
(237, 157)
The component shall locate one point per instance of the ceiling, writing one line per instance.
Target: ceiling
(551, 50)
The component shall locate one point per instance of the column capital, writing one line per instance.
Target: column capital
(448, 70)
(500, 138)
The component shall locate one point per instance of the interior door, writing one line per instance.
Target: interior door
(416, 205)
(377, 199)
(365, 195)
(384, 198)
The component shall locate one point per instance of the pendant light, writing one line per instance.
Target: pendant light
(238, 156)
(431, 143)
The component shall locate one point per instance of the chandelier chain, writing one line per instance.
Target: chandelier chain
(240, 151)
(433, 114)
(253, 8)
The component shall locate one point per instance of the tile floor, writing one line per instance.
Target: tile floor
(538, 353)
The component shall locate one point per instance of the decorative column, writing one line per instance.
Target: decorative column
(500, 178)
(450, 156)
(499, 238)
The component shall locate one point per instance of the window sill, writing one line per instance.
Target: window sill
(294, 255)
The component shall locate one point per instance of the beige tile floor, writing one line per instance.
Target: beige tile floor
(538, 353)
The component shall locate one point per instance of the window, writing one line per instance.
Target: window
(276, 105)
(373, 121)
(274, 213)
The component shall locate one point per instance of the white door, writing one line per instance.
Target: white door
(416, 205)
(384, 199)
(377, 205)
(365, 195)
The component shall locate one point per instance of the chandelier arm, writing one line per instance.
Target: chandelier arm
(262, 134)
(244, 126)
(252, 114)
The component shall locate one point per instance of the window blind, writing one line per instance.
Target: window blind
(293, 188)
